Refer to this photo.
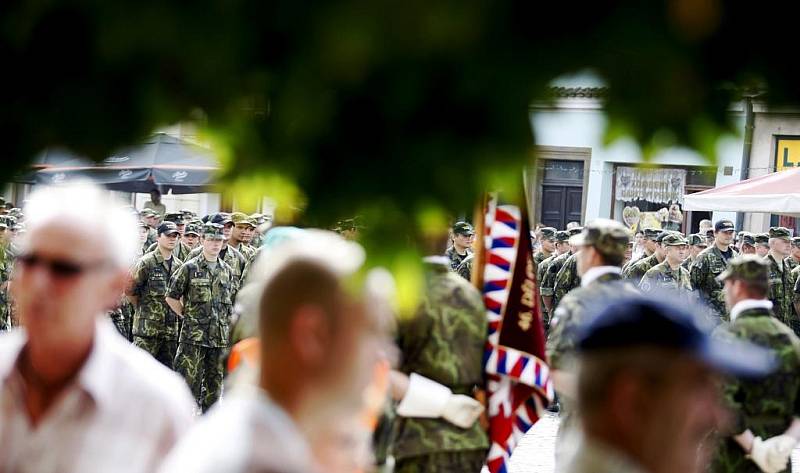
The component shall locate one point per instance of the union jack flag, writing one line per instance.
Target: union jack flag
(519, 386)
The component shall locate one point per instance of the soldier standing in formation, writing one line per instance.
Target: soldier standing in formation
(152, 219)
(462, 238)
(762, 244)
(437, 429)
(710, 264)
(548, 282)
(567, 279)
(697, 243)
(229, 255)
(155, 324)
(547, 241)
(191, 236)
(636, 270)
(649, 245)
(601, 248)
(779, 295)
(669, 274)
(6, 266)
(765, 412)
(747, 244)
(242, 234)
(202, 294)
(561, 247)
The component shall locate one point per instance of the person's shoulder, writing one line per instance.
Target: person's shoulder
(146, 380)
(11, 343)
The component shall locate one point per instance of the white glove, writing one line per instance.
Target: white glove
(772, 455)
(428, 399)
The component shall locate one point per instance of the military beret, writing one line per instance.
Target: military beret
(762, 239)
(562, 235)
(459, 228)
(213, 231)
(750, 268)
(651, 233)
(548, 233)
(607, 236)
(723, 225)
(780, 232)
(168, 228)
(674, 239)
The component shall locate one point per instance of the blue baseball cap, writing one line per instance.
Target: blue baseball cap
(637, 322)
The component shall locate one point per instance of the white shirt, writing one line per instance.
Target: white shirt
(247, 432)
(748, 304)
(595, 457)
(122, 413)
(593, 273)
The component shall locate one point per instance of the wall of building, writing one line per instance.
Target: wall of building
(582, 123)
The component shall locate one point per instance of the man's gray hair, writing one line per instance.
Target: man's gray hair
(89, 206)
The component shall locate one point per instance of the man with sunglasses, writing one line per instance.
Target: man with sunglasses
(202, 292)
(73, 393)
(155, 325)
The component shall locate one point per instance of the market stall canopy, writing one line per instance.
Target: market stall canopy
(776, 193)
(163, 162)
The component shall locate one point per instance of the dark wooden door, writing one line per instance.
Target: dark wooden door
(561, 205)
(572, 208)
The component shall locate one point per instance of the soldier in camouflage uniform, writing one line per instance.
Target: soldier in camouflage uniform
(151, 218)
(697, 243)
(764, 409)
(451, 310)
(567, 279)
(181, 250)
(635, 271)
(258, 235)
(649, 236)
(710, 264)
(779, 293)
(548, 245)
(791, 263)
(669, 274)
(202, 292)
(6, 266)
(242, 234)
(747, 243)
(562, 247)
(762, 244)
(231, 256)
(155, 324)
(191, 236)
(463, 237)
(601, 249)
(548, 282)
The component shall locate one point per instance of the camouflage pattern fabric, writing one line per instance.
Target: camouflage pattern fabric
(794, 320)
(162, 349)
(790, 263)
(181, 251)
(152, 235)
(446, 462)
(687, 263)
(232, 257)
(539, 257)
(443, 341)
(661, 276)
(635, 271)
(703, 275)
(202, 369)
(122, 318)
(634, 261)
(465, 268)
(765, 406)
(541, 270)
(548, 284)
(567, 279)
(6, 268)
(247, 251)
(208, 296)
(455, 258)
(778, 290)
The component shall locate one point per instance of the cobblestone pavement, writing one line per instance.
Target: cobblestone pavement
(534, 454)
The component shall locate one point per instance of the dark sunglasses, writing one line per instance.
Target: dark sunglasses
(59, 268)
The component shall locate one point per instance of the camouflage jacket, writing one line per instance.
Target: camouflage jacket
(208, 296)
(455, 258)
(539, 257)
(635, 271)
(548, 281)
(181, 251)
(791, 263)
(231, 256)
(152, 236)
(6, 268)
(765, 406)
(247, 251)
(567, 279)
(443, 341)
(465, 268)
(779, 292)
(149, 280)
(634, 261)
(703, 276)
(575, 310)
(687, 263)
(661, 276)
